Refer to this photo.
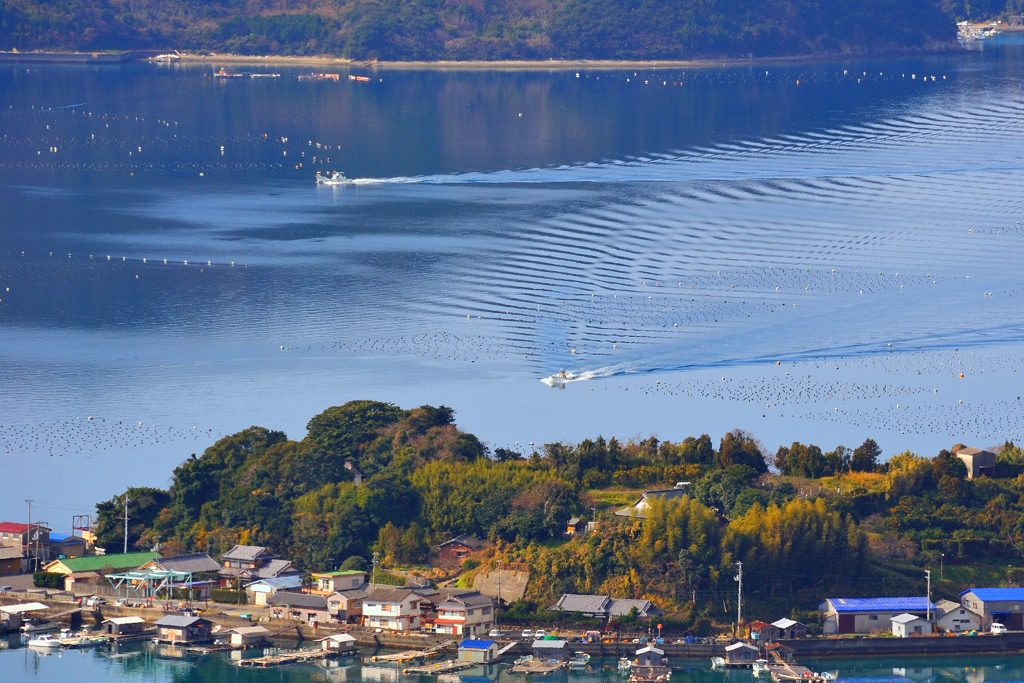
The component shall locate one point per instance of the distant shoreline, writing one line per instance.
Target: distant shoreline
(448, 65)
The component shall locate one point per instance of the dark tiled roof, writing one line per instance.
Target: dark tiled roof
(588, 604)
(468, 540)
(389, 595)
(193, 564)
(299, 600)
(248, 553)
(174, 621)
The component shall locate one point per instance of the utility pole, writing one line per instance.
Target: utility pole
(497, 603)
(373, 573)
(928, 606)
(28, 539)
(942, 556)
(739, 595)
(126, 501)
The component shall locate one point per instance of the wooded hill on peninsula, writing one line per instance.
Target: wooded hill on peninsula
(490, 29)
(823, 523)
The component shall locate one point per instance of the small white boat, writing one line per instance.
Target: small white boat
(45, 641)
(624, 665)
(760, 668)
(717, 663)
(334, 179)
(523, 660)
(579, 661)
(828, 676)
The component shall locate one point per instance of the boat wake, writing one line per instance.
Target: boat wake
(560, 379)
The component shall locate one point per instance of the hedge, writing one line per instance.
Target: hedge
(48, 580)
(229, 597)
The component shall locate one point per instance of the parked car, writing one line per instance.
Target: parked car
(95, 601)
(539, 634)
(998, 629)
(4, 589)
(527, 633)
(494, 633)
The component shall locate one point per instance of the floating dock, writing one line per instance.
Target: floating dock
(439, 668)
(407, 656)
(536, 666)
(287, 657)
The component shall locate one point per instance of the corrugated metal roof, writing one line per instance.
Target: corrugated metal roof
(95, 562)
(997, 594)
(476, 644)
(881, 604)
(905, 618)
(737, 646)
(175, 621)
(549, 644)
(121, 621)
(784, 623)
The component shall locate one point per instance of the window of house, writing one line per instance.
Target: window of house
(872, 617)
(486, 610)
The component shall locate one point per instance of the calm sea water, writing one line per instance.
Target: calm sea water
(810, 252)
(164, 664)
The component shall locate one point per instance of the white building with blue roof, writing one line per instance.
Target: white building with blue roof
(478, 651)
(867, 615)
(1001, 605)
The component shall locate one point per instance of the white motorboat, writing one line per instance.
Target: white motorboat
(335, 178)
(624, 665)
(45, 641)
(717, 662)
(579, 661)
(39, 627)
(760, 668)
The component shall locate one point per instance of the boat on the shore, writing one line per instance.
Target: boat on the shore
(335, 178)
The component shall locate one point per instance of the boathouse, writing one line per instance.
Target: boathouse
(124, 626)
(478, 651)
(339, 643)
(550, 650)
(650, 656)
(783, 654)
(740, 654)
(178, 629)
(904, 625)
(248, 636)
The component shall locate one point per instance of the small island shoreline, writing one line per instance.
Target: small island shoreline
(550, 65)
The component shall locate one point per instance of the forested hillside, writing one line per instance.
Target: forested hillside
(491, 29)
(830, 522)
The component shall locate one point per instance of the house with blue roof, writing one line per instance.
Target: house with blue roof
(478, 651)
(999, 605)
(867, 615)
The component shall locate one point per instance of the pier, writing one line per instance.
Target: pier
(536, 666)
(287, 657)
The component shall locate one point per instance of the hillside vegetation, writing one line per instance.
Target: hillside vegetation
(828, 523)
(485, 29)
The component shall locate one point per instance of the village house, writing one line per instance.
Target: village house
(574, 526)
(333, 582)
(311, 609)
(789, 629)
(904, 625)
(478, 651)
(34, 542)
(339, 643)
(979, 463)
(999, 605)
(396, 609)
(867, 615)
(124, 626)
(66, 546)
(464, 613)
(98, 563)
(260, 592)
(248, 636)
(179, 629)
(952, 617)
(550, 650)
(196, 563)
(347, 606)
(246, 563)
(740, 654)
(459, 548)
(10, 560)
(639, 507)
(604, 607)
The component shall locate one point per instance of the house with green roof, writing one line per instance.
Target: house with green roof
(333, 582)
(94, 563)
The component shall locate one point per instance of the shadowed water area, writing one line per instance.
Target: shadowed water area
(810, 252)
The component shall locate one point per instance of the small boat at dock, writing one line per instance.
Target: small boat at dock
(624, 665)
(579, 661)
(717, 662)
(45, 641)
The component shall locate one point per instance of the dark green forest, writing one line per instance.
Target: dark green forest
(842, 521)
(494, 29)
